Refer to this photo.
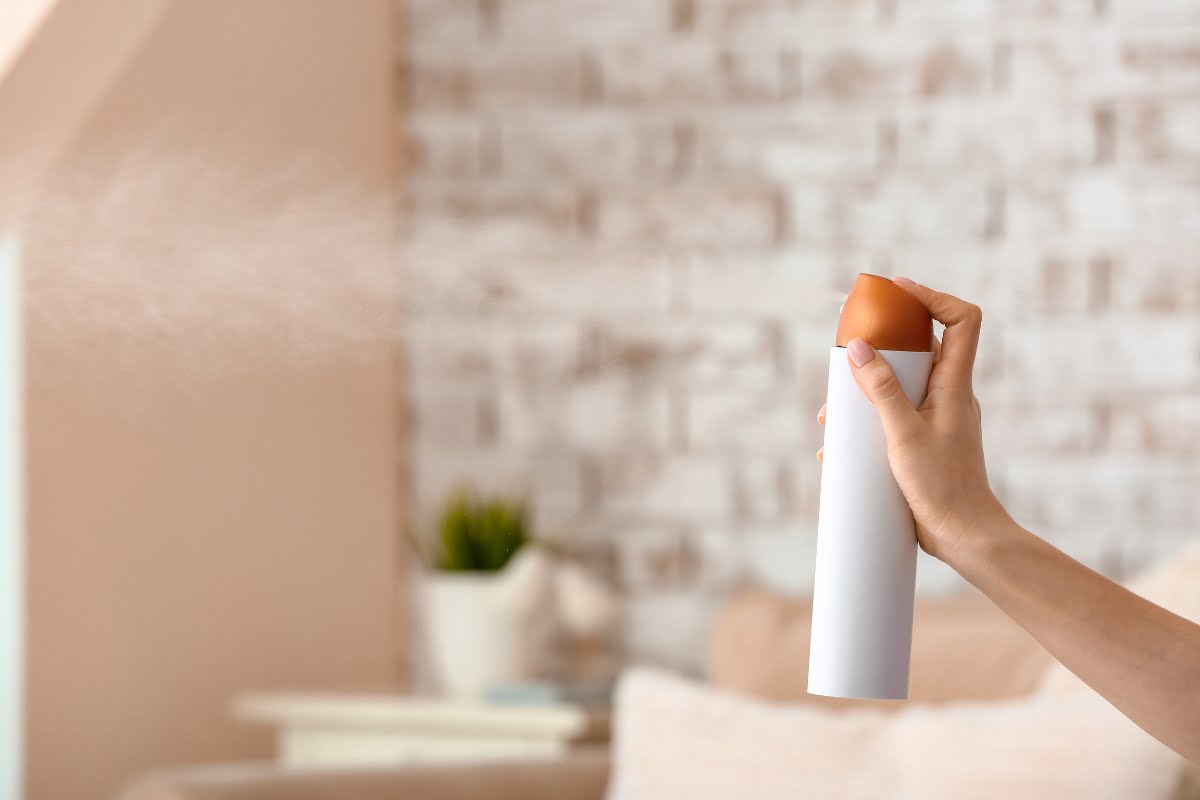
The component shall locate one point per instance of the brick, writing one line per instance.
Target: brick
(448, 22)
(688, 74)
(434, 77)
(1136, 13)
(450, 347)
(926, 12)
(1044, 281)
(697, 355)
(803, 487)
(792, 282)
(759, 489)
(722, 556)
(669, 627)
(1067, 494)
(584, 148)
(699, 216)
(888, 68)
(975, 271)
(719, 353)
(595, 23)
(550, 482)
(1035, 10)
(1105, 353)
(597, 555)
(897, 212)
(787, 148)
(447, 147)
(1106, 206)
(452, 413)
(766, 421)
(1161, 61)
(555, 491)
(1157, 280)
(1078, 63)
(1020, 420)
(789, 21)
(1036, 210)
(1156, 130)
(675, 487)
(658, 557)
(815, 213)
(440, 470)
(599, 413)
(994, 139)
(1156, 423)
(496, 270)
(433, 202)
(781, 557)
(810, 343)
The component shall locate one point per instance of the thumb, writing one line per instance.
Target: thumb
(874, 375)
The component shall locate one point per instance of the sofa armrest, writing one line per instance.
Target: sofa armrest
(578, 776)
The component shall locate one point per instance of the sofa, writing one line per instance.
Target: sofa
(963, 649)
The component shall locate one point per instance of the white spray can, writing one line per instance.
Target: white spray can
(866, 539)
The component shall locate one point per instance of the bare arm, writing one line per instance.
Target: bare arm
(1144, 659)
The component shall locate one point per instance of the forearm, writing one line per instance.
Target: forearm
(1144, 659)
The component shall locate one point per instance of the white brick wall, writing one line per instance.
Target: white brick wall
(699, 180)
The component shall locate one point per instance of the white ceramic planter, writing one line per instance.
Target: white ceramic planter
(473, 645)
(488, 628)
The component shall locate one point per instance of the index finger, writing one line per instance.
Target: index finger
(963, 320)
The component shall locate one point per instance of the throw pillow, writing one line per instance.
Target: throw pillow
(678, 739)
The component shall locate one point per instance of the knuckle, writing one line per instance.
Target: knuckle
(884, 385)
(973, 314)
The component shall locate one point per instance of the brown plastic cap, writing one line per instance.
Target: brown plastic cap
(885, 315)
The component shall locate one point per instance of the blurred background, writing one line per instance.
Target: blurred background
(296, 273)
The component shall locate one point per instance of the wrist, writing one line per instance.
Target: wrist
(978, 536)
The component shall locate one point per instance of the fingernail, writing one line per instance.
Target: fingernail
(860, 352)
(821, 415)
(902, 279)
(821, 454)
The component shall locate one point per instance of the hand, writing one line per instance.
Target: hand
(935, 451)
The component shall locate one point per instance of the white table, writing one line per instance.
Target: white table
(382, 729)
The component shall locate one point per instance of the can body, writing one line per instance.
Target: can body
(866, 544)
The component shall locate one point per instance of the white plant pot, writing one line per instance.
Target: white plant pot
(475, 639)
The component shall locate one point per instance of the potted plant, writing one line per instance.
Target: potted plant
(483, 592)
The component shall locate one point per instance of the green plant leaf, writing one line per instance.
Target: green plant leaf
(480, 535)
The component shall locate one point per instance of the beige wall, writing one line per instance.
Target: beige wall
(192, 537)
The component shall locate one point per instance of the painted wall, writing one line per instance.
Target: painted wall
(695, 172)
(194, 532)
(12, 549)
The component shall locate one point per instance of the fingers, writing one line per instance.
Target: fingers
(821, 420)
(875, 377)
(962, 320)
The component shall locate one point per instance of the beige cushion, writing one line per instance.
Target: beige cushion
(679, 739)
(963, 648)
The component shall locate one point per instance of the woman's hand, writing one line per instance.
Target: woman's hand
(935, 451)
(1142, 658)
